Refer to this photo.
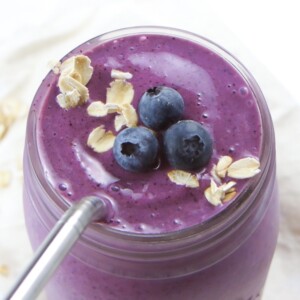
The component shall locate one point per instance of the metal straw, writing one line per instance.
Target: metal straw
(55, 247)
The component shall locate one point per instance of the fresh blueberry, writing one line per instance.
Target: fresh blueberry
(160, 107)
(187, 145)
(135, 149)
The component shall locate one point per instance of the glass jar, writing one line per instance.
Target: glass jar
(227, 257)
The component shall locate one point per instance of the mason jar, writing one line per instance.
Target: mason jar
(228, 257)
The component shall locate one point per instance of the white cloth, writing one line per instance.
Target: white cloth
(34, 32)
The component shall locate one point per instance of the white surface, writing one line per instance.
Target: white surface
(262, 34)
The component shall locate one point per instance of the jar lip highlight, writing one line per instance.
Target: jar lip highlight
(204, 233)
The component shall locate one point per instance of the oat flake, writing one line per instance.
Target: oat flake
(223, 165)
(216, 194)
(100, 109)
(119, 122)
(183, 178)
(130, 115)
(120, 92)
(116, 74)
(244, 168)
(5, 178)
(77, 67)
(229, 195)
(75, 73)
(4, 271)
(100, 140)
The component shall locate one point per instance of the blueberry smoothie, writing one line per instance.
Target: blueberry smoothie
(175, 133)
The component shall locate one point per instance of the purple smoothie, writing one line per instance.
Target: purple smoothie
(216, 95)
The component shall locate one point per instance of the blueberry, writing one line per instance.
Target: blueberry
(160, 107)
(187, 145)
(135, 149)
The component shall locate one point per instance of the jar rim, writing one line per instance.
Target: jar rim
(223, 221)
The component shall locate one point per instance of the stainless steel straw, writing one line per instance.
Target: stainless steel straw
(55, 247)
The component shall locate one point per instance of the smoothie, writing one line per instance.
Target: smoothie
(200, 245)
(214, 94)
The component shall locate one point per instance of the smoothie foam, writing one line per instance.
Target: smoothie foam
(215, 95)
